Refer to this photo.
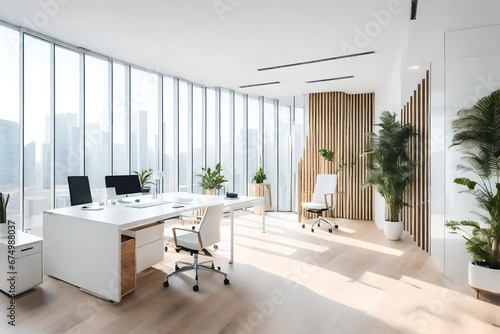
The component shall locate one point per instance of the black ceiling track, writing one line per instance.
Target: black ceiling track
(316, 61)
(260, 84)
(331, 79)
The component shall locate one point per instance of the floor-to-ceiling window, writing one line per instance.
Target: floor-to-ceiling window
(68, 153)
(9, 120)
(198, 137)
(254, 153)
(185, 127)
(37, 130)
(143, 120)
(212, 137)
(97, 124)
(226, 137)
(270, 161)
(240, 145)
(284, 159)
(120, 119)
(169, 135)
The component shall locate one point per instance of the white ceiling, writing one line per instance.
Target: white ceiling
(223, 42)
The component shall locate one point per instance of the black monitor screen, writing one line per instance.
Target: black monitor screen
(79, 190)
(123, 184)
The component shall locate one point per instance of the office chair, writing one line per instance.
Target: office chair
(206, 234)
(324, 199)
(79, 190)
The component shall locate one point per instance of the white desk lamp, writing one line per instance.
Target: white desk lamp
(158, 175)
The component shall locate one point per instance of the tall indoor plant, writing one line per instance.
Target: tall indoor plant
(211, 179)
(477, 135)
(390, 168)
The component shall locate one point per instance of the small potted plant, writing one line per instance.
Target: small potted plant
(145, 179)
(4, 201)
(211, 179)
(259, 177)
(390, 168)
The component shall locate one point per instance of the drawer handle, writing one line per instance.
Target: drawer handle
(26, 249)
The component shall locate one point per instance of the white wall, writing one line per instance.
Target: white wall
(426, 47)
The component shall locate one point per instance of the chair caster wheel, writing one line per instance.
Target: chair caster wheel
(226, 281)
(218, 268)
(303, 225)
(166, 249)
(330, 230)
(165, 284)
(337, 227)
(312, 230)
(178, 250)
(216, 247)
(195, 288)
(177, 267)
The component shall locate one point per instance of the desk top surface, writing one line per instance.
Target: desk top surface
(124, 214)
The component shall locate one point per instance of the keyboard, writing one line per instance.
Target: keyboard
(147, 204)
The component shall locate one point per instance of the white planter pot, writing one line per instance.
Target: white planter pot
(393, 230)
(4, 232)
(484, 279)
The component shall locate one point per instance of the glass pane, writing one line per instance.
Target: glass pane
(226, 142)
(270, 163)
(9, 120)
(284, 181)
(211, 129)
(240, 145)
(144, 120)
(37, 152)
(298, 145)
(120, 121)
(68, 150)
(198, 160)
(169, 126)
(254, 138)
(97, 122)
(183, 137)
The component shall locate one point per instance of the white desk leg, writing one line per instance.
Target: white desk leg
(264, 221)
(231, 218)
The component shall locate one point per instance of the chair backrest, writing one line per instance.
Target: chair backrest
(79, 190)
(325, 184)
(210, 225)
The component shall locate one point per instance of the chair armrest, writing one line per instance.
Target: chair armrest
(174, 229)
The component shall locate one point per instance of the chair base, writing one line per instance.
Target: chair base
(195, 265)
(318, 221)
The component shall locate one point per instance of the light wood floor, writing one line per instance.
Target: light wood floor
(287, 280)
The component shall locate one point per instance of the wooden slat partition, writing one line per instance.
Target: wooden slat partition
(338, 122)
(416, 216)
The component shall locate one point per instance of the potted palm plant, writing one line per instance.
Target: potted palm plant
(260, 176)
(477, 134)
(4, 201)
(145, 176)
(211, 179)
(390, 168)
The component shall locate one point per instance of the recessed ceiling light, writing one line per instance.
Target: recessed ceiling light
(260, 84)
(315, 61)
(414, 67)
(331, 79)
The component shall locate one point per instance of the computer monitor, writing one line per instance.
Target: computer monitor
(124, 185)
(79, 190)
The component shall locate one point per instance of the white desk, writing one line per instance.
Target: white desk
(83, 247)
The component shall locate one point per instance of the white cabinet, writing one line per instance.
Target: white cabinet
(20, 264)
(149, 245)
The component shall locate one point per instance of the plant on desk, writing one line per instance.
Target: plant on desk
(145, 178)
(211, 179)
(4, 201)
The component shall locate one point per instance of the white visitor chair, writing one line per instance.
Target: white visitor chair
(324, 199)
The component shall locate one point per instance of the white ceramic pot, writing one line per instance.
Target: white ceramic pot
(393, 230)
(484, 279)
(4, 232)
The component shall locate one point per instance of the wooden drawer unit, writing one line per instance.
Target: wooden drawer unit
(128, 263)
(149, 246)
